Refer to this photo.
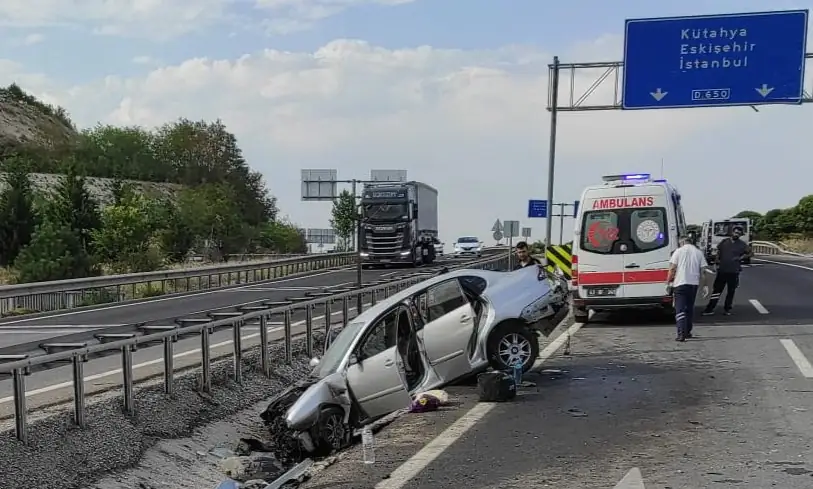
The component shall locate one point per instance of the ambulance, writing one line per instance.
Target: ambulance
(626, 230)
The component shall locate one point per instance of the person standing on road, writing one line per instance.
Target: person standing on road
(524, 258)
(730, 253)
(686, 268)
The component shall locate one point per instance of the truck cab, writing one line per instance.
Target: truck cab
(398, 224)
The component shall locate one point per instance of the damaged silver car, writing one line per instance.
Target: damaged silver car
(421, 338)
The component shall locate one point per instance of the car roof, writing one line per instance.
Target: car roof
(376, 310)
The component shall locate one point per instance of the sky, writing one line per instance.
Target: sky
(453, 91)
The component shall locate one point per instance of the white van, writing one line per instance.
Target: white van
(626, 231)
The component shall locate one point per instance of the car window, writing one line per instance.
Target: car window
(639, 229)
(382, 336)
(648, 229)
(476, 285)
(600, 231)
(444, 298)
(468, 239)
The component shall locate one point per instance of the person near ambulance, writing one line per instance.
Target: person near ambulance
(685, 270)
(524, 258)
(730, 254)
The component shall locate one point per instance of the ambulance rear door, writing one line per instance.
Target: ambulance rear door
(648, 237)
(600, 259)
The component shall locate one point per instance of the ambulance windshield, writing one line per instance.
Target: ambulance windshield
(624, 230)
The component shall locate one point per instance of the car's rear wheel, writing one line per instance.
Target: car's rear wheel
(511, 343)
(330, 433)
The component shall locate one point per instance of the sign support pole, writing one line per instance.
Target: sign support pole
(554, 116)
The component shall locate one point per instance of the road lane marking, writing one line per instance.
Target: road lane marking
(798, 358)
(118, 371)
(401, 476)
(181, 297)
(794, 265)
(33, 331)
(758, 306)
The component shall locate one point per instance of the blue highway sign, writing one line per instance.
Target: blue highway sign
(715, 60)
(537, 208)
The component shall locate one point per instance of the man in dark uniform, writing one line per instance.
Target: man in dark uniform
(730, 253)
(524, 258)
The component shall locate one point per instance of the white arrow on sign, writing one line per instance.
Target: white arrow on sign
(764, 90)
(658, 94)
(633, 480)
(497, 226)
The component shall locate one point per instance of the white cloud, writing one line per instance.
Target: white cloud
(144, 60)
(34, 38)
(472, 123)
(165, 19)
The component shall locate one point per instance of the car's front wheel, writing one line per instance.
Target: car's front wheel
(511, 343)
(330, 433)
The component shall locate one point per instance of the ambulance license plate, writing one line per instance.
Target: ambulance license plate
(601, 291)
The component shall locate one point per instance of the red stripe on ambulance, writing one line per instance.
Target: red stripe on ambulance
(619, 278)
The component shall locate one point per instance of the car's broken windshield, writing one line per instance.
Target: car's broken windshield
(334, 355)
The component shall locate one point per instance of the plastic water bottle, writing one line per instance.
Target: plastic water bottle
(518, 373)
(368, 445)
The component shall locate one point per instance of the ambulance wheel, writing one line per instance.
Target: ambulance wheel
(581, 316)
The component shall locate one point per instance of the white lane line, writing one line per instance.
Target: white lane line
(32, 331)
(118, 371)
(798, 358)
(794, 265)
(183, 297)
(401, 476)
(758, 306)
(47, 327)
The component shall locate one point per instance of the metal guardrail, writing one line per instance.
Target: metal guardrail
(67, 294)
(19, 366)
(766, 248)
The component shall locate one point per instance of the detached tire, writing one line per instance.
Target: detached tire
(330, 433)
(512, 341)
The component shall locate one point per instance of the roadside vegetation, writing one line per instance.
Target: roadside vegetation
(791, 227)
(214, 204)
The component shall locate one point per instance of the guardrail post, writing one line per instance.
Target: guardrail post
(127, 378)
(373, 297)
(79, 390)
(289, 353)
(328, 320)
(206, 362)
(237, 342)
(264, 363)
(309, 330)
(169, 365)
(345, 310)
(20, 408)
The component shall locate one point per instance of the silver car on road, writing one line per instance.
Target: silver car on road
(421, 338)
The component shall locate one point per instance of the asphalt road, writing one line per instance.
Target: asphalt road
(730, 408)
(164, 310)
(48, 386)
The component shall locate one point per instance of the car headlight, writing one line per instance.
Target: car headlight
(538, 309)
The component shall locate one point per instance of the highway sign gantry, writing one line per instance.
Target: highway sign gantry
(715, 60)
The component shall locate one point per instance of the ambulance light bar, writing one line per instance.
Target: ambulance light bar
(629, 177)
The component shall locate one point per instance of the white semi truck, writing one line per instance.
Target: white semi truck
(399, 224)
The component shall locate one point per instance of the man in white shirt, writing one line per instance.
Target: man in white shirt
(687, 264)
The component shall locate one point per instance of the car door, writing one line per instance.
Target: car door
(449, 322)
(376, 375)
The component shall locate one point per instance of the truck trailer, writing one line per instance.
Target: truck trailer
(399, 224)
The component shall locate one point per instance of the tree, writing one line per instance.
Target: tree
(74, 207)
(126, 238)
(176, 237)
(54, 253)
(17, 217)
(282, 237)
(343, 216)
(212, 214)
